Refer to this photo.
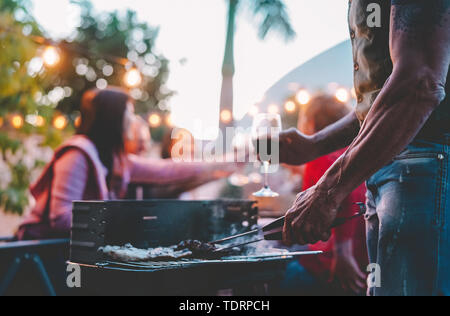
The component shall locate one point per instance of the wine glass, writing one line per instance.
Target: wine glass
(265, 134)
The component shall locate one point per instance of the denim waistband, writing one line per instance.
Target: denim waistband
(443, 138)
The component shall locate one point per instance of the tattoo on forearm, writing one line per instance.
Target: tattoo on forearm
(418, 17)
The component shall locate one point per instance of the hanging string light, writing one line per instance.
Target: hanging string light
(290, 106)
(17, 121)
(132, 78)
(35, 120)
(342, 95)
(303, 97)
(154, 120)
(60, 122)
(40, 121)
(51, 56)
(226, 116)
(169, 120)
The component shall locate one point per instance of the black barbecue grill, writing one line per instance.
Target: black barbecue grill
(155, 223)
(181, 278)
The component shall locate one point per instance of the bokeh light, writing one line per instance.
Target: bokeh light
(40, 121)
(1, 121)
(51, 56)
(290, 106)
(226, 116)
(60, 122)
(17, 121)
(154, 120)
(169, 120)
(133, 78)
(101, 84)
(303, 97)
(342, 95)
(77, 121)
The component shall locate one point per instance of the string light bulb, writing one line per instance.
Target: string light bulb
(342, 95)
(226, 116)
(51, 56)
(290, 106)
(60, 122)
(169, 120)
(40, 121)
(17, 121)
(303, 97)
(154, 120)
(133, 78)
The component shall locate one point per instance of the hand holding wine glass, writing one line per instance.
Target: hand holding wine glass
(265, 131)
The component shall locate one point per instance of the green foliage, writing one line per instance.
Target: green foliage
(8, 143)
(17, 91)
(17, 88)
(272, 15)
(99, 36)
(27, 87)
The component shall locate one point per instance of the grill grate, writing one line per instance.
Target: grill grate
(189, 263)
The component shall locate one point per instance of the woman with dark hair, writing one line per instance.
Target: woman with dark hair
(93, 165)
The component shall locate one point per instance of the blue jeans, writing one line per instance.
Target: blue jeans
(408, 221)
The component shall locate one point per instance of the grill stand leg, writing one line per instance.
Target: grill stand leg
(10, 274)
(43, 275)
(15, 268)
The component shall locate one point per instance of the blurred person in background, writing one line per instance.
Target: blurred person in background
(93, 165)
(139, 139)
(339, 271)
(179, 144)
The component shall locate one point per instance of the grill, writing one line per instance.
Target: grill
(245, 276)
(156, 223)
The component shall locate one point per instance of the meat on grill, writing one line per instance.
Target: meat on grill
(185, 249)
(198, 248)
(128, 253)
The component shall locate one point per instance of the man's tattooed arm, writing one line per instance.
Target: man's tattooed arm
(420, 52)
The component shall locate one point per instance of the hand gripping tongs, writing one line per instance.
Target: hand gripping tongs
(274, 230)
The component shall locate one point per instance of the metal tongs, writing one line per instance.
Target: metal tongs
(274, 230)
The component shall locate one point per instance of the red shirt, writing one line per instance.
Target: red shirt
(320, 266)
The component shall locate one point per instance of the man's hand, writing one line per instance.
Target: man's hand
(310, 218)
(345, 269)
(297, 148)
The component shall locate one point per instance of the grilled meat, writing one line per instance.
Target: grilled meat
(185, 249)
(198, 248)
(128, 253)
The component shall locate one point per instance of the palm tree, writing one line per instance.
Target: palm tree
(272, 15)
